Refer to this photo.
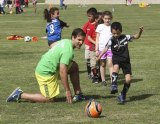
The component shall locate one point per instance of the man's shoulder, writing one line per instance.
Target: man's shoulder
(66, 42)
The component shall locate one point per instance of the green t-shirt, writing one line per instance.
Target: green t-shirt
(62, 52)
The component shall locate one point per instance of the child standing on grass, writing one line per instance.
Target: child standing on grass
(92, 39)
(121, 58)
(62, 4)
(91, 12)
(2, 4)
(54, 25)
(17, 5)
(34, 2)
(26, 3)
(9, 5)
(103, 35)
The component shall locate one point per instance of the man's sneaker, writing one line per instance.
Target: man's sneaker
(104, 83)
(15, 95)
(114, 88)
(121, 98)
(79, 97)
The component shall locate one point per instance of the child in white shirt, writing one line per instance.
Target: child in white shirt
(103, 36)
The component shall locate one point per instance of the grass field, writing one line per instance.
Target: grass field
(18, 61)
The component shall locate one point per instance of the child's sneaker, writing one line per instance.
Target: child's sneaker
(90, 76)
(121, 98)
(95, 80)
(114, 88)
(65, 7)
(79, 97)
(104, 83)
(15, 95)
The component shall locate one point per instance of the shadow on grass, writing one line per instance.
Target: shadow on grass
(140, 97)
(17, 53)
(101, 116)
(88, 97)
(82, 71)
(133, 81)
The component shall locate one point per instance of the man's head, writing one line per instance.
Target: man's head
(116, 29)
(78, 37)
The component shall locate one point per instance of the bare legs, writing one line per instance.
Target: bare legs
(37, 97)
(74, 76)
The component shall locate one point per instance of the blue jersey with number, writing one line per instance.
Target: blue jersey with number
(54, 30)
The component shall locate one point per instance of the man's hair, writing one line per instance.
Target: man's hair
(78, 32)
(116, 26)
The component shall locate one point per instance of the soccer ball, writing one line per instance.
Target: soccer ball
(11, 12)
(27, 38)
(93, 109)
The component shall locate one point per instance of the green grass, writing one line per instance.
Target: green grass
(18, 61)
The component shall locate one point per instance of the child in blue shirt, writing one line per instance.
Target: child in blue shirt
(54, 25)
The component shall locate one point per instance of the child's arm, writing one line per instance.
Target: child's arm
(138, 35)
(91, 40)
(97, 43)
(103, 51)
(63, 24)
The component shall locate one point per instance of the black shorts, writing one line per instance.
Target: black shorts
(126, 66)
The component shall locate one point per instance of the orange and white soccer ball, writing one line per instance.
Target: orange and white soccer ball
(93, 109)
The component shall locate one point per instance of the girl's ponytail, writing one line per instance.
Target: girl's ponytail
(47, 15)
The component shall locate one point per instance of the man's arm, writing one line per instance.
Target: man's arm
(64, 79)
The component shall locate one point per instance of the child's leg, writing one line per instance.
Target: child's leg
(103, 70)
(61, 4)
(126, 84)
(2, 9)
(16, 10)
(114, 87)
(87, 58)
(88, 68)
(126, 67)
(98, 71)
(110, 67)
(93, 66)
(35, 6)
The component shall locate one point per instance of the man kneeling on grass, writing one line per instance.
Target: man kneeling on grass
(57, 61)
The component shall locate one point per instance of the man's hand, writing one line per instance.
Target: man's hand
(69, 97)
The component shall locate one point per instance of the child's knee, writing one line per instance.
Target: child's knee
(128, 78)
(103, 63)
